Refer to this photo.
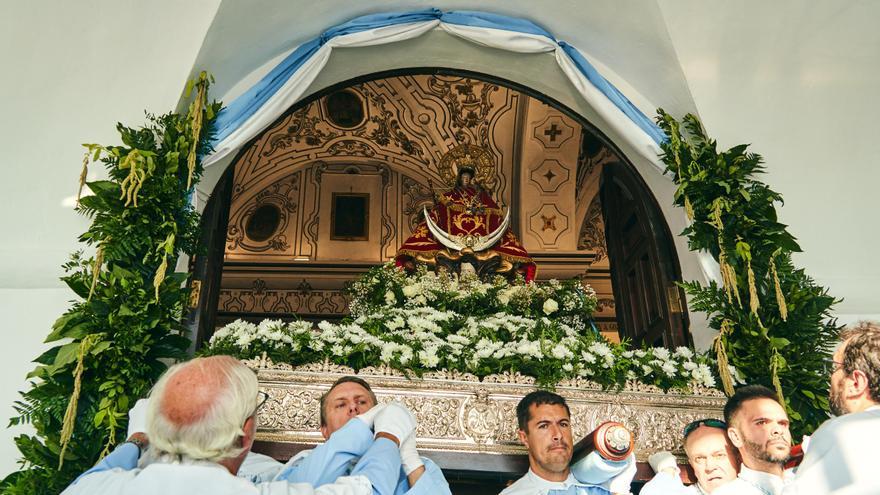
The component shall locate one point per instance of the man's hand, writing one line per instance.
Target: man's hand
(137, 417)
(395, 422)
(664, 462)
(370, 416)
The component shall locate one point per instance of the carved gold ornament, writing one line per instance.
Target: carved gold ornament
(468, 155)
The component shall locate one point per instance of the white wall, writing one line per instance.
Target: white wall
(71, 70)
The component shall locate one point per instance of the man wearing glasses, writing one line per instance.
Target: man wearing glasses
(710, 454)
(201, 419)
(842, 452)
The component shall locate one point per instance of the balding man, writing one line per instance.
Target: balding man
(201, 422)
(841, 456)
(710, 454)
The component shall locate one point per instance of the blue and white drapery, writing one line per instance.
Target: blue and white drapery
(259, 106)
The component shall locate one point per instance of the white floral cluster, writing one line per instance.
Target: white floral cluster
(429, 321)
(425, 338)
(269, 333)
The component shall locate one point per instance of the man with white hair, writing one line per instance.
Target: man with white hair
(201, 422)
(841, 456)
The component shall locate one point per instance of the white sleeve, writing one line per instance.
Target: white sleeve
(663, 484)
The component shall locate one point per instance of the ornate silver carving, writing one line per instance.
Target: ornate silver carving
(458, 413)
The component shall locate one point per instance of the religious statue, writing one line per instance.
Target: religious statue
(466, 229)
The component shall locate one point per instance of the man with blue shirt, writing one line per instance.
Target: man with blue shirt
(545, 430)
(347, 413)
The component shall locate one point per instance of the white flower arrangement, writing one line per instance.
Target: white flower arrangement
(429, 322)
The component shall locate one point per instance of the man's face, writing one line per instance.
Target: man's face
(712, 457)
(548, 439)
(837, 391)
(344, 402)
(760, 432)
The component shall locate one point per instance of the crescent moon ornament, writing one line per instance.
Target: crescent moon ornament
(460, 242)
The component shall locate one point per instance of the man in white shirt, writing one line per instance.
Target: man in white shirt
(757, 426)
(711, 455)
(346, 441)
(842, 453)
(201, 422)
(545, 429)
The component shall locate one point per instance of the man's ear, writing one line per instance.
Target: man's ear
(250, 430)
(735, 437)
(858, 383)
(524, 438)
(325, 432)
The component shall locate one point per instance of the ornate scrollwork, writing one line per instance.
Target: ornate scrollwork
(283, 195)
(470, 113)
(479, 416)
(302, 129)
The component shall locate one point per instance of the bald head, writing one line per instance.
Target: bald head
(202, 409)
(192, 391)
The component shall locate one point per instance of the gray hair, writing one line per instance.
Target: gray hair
(862, 352)
(214, 435)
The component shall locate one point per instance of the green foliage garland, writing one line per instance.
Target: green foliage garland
(111, 342)
(775, 322)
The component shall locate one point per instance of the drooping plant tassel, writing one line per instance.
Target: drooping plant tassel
(780, 299)
(136, 176)
(754, 304)
(721, 356)
(166, 247)
(195, 115)
(70, 414)
(96, 269)
(83, 175)
(689, 208)
(774, 373)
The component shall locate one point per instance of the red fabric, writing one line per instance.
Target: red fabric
(461, 211)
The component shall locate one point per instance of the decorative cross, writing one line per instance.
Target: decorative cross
(549, 175)
(552, 131)
(549, 223)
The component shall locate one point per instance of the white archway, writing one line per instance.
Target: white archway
(539, 72)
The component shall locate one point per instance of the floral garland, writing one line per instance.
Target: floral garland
(425, 322)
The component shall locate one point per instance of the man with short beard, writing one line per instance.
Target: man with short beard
(842, 452)
(545, 430)
(757, 426)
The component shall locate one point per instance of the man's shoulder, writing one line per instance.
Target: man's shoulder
(521, 486)
(737, 487)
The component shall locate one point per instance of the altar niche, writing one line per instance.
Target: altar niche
(339, 182)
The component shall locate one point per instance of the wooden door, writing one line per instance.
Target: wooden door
(644, 268)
